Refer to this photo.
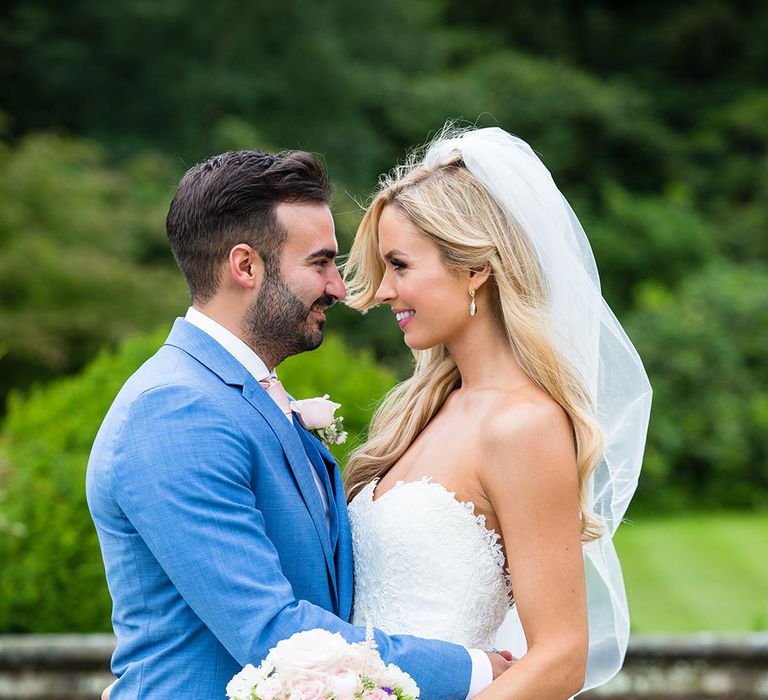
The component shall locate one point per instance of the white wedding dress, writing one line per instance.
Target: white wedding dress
(426, 565)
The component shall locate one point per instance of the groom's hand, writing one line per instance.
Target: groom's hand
(500, 662)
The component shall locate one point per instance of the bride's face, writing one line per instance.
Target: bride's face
(430, 302)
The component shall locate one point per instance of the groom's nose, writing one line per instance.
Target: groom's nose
(335, 286)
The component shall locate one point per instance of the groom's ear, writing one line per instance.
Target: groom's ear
(246, 266)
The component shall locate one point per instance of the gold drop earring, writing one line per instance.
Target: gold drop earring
(472, 305)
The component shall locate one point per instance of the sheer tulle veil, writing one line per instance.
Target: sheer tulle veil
(588, 334)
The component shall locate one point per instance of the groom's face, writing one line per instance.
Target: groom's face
(288, 311)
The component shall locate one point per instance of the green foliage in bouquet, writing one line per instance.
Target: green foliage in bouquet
(704, 348)
(52, 578)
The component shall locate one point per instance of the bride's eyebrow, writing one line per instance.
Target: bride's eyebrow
(394, 253)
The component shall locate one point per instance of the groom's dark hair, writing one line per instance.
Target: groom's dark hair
(230, 199)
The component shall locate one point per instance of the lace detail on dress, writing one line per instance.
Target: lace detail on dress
(426, 564)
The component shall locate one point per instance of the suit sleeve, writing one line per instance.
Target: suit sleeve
(182, 475)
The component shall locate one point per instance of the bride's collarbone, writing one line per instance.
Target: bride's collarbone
(449, 451)
(455, 470)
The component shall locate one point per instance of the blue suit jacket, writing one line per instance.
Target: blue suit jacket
(213, 533)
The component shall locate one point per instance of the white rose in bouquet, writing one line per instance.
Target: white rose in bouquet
(315, 653)
(240, 686)
(395, 677)
(268, 689)
(345, 685)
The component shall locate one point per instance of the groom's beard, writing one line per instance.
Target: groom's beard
(277, 324)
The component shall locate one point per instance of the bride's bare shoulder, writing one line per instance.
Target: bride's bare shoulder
(528, 431)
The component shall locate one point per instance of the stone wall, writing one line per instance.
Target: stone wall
(55, 667)
(691, 668)
(76, 667)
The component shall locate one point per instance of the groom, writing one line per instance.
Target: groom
(222, 521)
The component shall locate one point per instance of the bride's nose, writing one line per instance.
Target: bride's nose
(385, 292)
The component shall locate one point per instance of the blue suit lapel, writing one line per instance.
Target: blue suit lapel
(311, 448)
(344, 564)
(298, 462)
(206, 350)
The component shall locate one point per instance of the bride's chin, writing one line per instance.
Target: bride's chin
(419, 343)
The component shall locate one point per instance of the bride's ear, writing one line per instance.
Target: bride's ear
(479, 276)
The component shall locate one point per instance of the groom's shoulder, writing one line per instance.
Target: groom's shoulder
(168, 367)
(167, 379)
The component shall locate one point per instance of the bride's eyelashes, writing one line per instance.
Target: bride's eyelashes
(398, 265)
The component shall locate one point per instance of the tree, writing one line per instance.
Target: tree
(703, 345)
(84, 260)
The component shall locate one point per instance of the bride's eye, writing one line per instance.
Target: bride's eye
(397, 265)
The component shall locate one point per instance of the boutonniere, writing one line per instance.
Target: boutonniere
(316, 415)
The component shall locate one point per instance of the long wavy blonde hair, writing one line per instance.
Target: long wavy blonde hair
(453, 210)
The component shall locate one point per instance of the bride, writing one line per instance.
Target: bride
(484, 501)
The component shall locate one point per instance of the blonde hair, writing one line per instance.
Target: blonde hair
(455, 211)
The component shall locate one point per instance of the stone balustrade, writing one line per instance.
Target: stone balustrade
(699, 667)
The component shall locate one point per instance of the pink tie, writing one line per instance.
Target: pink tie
(274, 388)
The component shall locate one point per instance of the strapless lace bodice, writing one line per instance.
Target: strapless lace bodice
(426, 565)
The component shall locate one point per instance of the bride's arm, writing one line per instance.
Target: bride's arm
(530, 477)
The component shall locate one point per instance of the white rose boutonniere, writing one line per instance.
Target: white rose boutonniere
(316, 415)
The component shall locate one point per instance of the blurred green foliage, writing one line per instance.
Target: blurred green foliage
(84, 259)
(52, 578)
(351, 378)
(704, 346)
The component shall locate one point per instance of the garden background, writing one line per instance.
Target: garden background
(652, 117)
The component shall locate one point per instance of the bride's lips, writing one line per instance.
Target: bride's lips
(403, 317)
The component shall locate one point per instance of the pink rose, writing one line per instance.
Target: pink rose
(269, 688)
(315, 413)
(311, 690)
(376, 694)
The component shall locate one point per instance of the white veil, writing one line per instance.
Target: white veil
(587, 333)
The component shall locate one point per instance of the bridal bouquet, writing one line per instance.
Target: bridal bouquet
(318, 664)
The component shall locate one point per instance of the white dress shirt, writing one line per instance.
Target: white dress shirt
(482, 673)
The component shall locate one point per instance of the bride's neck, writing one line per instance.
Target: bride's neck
(484, 357)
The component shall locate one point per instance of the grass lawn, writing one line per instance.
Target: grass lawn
(696, 572)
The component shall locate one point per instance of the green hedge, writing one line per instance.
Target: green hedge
(52, 578)
(704, 346)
